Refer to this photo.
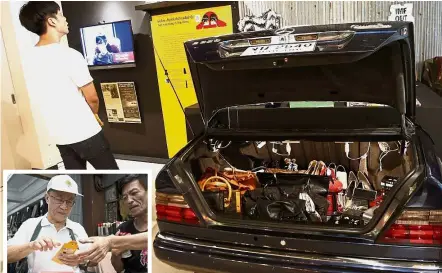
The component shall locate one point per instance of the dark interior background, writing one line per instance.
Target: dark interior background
(148, 138)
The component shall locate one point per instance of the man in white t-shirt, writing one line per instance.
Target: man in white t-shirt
(39, 239)
(62, 87)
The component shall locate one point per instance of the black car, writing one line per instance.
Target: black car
(272, 157)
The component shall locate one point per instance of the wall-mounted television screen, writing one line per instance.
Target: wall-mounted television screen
(109, 45)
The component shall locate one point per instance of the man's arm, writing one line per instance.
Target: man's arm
(117, 263)
(81, 77)
(129, 242)
(116, 258)
(18, 252)
(101, 245)
(90, 94)
(19, 246)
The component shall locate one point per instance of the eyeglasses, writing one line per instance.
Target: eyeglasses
(59, 201)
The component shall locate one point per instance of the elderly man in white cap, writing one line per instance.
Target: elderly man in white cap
(39, 239)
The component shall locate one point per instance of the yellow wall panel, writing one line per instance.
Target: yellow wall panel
(169, 32)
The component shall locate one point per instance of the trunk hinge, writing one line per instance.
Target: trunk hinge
(407, 131)
(228, 116)
(233, 118)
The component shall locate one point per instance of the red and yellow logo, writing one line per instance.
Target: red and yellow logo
(210, 20)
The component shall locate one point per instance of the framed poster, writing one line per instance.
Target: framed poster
(121, 102)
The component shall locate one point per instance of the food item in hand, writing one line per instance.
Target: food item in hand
(67, 248)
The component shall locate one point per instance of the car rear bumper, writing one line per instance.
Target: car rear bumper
(200, 256)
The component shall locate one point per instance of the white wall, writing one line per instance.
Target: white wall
(31, 142)
(10, 118)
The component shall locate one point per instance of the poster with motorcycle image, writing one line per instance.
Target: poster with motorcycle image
(121, 102)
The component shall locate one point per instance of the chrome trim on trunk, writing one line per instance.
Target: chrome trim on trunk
(307, 259)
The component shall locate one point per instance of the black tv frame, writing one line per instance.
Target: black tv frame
(111, 66)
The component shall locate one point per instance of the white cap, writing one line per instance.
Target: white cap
(63, 183)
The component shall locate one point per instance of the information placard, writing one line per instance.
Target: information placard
(169, 32)
(121, 102)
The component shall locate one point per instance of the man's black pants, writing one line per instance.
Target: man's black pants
(95, 150)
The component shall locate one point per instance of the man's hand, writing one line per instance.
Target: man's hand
(117, 260)
(97, 251)
(70, 259)
(44, 244)
(117, 252)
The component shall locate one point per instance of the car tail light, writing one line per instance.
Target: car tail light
(173, 208)
(335, 35)
(416, 227)
(307, 37)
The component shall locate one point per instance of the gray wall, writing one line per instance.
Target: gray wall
(36, 189)
(110, 179)
(428, 18)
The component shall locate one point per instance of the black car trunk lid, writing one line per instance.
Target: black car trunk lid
(363, 62)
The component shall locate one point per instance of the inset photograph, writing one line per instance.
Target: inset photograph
(77, 222)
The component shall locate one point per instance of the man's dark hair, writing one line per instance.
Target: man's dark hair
(33, 15)
(142, 178)
(101, 38)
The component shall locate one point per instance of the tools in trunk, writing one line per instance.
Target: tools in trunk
(280, 191)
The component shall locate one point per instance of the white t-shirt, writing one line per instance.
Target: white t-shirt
(41, 261)
(55, 73)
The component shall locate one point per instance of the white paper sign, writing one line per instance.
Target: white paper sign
(401, 12)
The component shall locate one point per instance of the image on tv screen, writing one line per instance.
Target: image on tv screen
(108, 44)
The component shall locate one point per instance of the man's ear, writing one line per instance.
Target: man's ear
(47, 198)
(52, 22)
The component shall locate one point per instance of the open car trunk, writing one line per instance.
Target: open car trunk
(299, 182)
(269, 162)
